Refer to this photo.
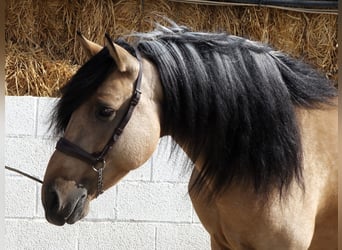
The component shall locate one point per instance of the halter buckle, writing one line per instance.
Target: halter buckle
(136, 97)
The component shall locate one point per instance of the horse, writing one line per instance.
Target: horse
(259, 129)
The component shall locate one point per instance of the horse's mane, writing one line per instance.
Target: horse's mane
(234, 100)
(225, 97)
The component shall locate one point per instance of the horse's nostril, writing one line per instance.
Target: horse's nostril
(52, 200)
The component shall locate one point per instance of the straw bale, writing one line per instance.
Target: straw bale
(42, 53)
(31, 72)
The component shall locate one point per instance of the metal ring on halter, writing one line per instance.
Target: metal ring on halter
(98, 169)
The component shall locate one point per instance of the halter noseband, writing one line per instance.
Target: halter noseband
(94, 159)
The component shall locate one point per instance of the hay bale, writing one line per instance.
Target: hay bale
(32, 72)
(42, 54)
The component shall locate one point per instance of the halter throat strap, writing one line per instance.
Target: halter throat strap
(94, 159)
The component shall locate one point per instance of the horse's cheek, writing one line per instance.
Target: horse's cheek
(139, 141)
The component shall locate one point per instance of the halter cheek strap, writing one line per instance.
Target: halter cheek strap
(97, 160)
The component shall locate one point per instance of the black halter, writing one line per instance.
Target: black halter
(95, 159)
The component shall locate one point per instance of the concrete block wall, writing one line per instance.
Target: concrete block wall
(149, 209)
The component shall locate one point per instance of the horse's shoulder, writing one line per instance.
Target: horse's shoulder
(240, 218)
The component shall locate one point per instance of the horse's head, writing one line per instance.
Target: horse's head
(77, 171)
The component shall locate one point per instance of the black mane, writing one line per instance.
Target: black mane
(226, 96)
(234, 100)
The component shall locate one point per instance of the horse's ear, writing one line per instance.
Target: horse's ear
(90, 47)
(122, 57)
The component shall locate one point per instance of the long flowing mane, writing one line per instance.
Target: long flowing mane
(234, 100)
(225, 97)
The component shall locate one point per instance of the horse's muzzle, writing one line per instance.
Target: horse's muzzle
(64, 202)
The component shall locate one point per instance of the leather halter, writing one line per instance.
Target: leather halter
(94, 159)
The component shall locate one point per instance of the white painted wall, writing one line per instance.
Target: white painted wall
(149, 209)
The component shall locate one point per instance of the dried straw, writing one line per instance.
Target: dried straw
(32, 72)
(42, 54)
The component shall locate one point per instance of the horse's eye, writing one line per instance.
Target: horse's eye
(105, 113)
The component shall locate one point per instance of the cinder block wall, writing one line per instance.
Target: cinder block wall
(149, 209)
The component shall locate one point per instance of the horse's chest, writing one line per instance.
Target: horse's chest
(228, 230)
(229, 223)
(240, 221)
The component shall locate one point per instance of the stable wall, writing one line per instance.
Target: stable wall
(149, 209)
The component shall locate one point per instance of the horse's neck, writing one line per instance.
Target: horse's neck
(151, 86)
(319, 132)
(152, 89)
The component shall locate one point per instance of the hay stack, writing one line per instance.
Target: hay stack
(32, 72)
(41, 52)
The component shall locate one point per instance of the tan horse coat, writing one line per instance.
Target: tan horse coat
(238, 219)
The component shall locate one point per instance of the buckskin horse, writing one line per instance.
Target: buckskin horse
(259, 129)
